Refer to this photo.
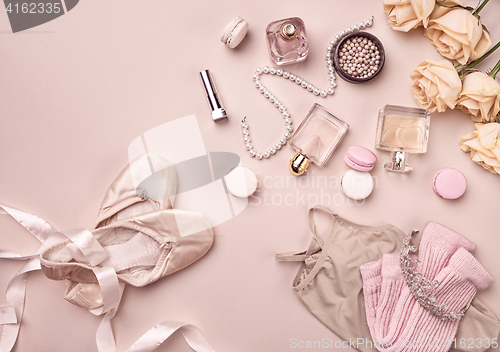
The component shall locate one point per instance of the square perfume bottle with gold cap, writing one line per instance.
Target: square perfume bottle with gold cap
(287, 41)
(316, 138)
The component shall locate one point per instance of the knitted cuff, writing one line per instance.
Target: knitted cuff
(469, 268)
(435, 234)
(460, 280)
(437, 246)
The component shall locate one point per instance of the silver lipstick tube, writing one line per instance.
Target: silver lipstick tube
(218, 112)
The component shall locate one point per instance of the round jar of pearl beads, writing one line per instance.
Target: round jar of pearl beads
(359, 57)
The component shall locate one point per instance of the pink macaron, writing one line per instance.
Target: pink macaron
(449, 183)
(359, 158)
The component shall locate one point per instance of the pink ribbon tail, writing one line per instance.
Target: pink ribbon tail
(16, 289)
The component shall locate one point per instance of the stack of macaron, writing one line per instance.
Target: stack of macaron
(357, 183)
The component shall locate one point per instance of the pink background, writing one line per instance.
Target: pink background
(76, 91)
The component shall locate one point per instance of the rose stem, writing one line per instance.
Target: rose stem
(495, 70)
(474, 63)
(480, 7)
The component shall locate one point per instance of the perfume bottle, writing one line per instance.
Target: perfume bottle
(287, 41)
(316, 138)
(402, 130)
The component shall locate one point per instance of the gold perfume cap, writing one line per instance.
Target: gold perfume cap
(298, 164)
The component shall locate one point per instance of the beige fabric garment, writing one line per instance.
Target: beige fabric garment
(330, 285)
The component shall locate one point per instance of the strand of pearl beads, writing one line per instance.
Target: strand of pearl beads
(300, 81)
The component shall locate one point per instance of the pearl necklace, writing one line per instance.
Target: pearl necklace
(300, 81)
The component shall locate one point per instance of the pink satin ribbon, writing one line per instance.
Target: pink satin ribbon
(16, 289)
(86, 248)
(158, 334)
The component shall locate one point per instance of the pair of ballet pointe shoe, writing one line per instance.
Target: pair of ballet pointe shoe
(136, 238)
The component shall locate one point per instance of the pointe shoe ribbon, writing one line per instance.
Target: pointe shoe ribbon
(88, 253)
(140, 250)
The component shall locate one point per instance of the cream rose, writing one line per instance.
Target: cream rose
(457, 35)
(480, 97)
(404, 15)
(447, 6)
(436, 85)
(484, 145)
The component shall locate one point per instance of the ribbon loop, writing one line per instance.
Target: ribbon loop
(161, 332)
(86, 249)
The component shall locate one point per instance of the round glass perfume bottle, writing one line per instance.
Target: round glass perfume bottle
(402, 131)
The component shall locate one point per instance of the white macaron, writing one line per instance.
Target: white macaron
(241, 182)
(357, 185)
(234, 32)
